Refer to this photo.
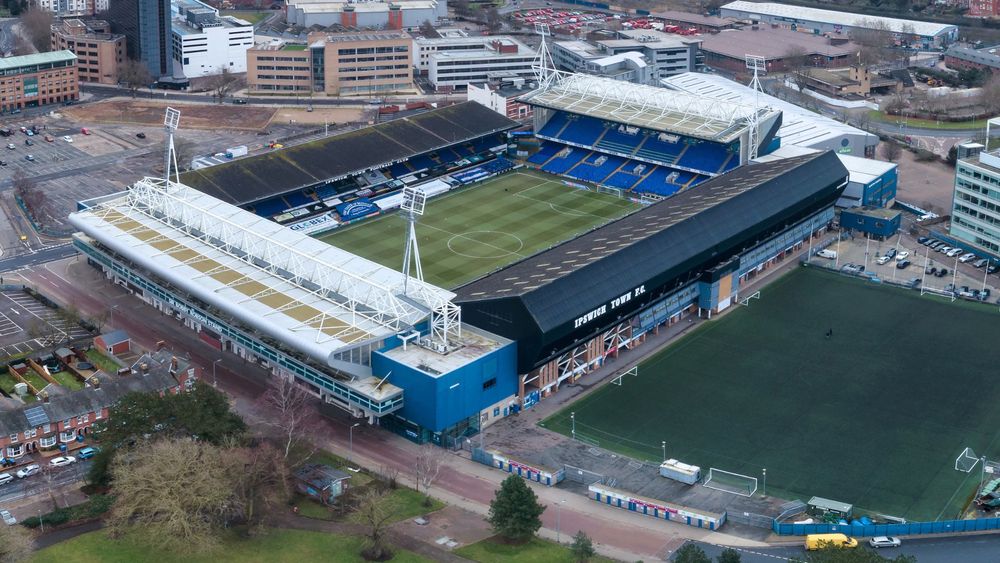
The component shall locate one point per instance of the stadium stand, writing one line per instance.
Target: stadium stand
(298, 199)
(655, 149)
(269, 207)
(291, 169)
(545, 152)
(565, 159)
(583, 131)
(704, 156)
(596, 167)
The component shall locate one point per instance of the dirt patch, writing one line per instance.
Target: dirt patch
(193, 116)
(927, 184)
(318, 116)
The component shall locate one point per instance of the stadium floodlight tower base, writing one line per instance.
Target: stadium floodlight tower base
(171, 120)
(414, 200)
(757, 65)
(966, 461)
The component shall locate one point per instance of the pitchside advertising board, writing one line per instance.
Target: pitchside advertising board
(356, 209)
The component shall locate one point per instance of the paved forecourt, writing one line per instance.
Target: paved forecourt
(873, 415)
(472, 231)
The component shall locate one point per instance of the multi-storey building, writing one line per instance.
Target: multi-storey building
(146, 26)
(370, 14)
(667, 54)
(68, 8)
(586, 58)
(975, 214)
(37, 80)
(100, 53)
(374, 62)
(452, 63)
(205, 43)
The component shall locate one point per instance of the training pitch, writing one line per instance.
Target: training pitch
(472, 231)
(874, 415)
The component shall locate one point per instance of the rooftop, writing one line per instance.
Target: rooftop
(650, 38)
(864, 170)
(696, 19)
(848, 19)
(990, 56)
(772, 43)
(472, 345)
(364, 36)
(51, 57)
(328, 6)
(876, 212)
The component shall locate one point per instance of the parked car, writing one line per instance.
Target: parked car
(140, 135)
(3, 163)
(902, 264)
(8, 518)
(914, 282)
(28, 142)
(954, 252)
(884, 541)
(28, 470)
(88, 452)
(902, 255)
(239, 101)
(922, 240)
(980, 263)
(10, 146)
(85, 131)
(6, 478)
(882, 260)
(944, 249)
(931, 242)
(967, 257)
(29, 133)
(68, 139)
(930, 271)
(891, 253)
(941, 273)
(993, 268)
(62, 461)
(30, 157)
(49, 138)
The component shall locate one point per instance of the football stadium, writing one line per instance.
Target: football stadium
(546, 249)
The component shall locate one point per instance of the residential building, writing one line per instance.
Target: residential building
(983, 8)
(501, 95)
(100, 54)
(453, 63)
(70, 8)
(975, 215)
(587, 58)
(728, 49)
(964, 58)
(146, 26)
(37, 80)
(375, 62)
(814, 20)
(205, 43)
(376, 14)
(668, 54)
(61, 419)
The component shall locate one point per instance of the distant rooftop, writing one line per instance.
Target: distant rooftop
(37, 59)
(365, 36)
(650, 38)
(802, 13)
(694, 19)
(772, 43)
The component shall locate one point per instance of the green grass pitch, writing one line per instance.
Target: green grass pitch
(874, 416)
(467, 233)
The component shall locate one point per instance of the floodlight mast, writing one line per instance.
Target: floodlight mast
(171, 120)
(414, 200)
(757, 65)
(544, 69)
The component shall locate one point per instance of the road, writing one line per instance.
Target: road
(949, 549)
(36, 484)
(7, 35)
(36, 257)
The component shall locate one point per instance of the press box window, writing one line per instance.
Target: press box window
(490, 383)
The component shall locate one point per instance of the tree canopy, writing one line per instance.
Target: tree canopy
(515, 512)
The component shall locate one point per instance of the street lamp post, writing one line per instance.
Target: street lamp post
(764, 487)
(572, 419)
(215, 380)
(111, 312)
(664, 445)
(350, 455)
(559, 521)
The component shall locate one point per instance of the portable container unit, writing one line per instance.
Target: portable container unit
(680, 471)
(535, 473)
(657, 508)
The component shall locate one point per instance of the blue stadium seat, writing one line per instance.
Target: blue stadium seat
(326, 192)
(733, 162)
(655, 149)
(618, 141)
(584, 131)
(399, 169)
(554, 125)
(298, 199)
(561, 164)
(448, 155)
(621, 179)
(421, 162)
(590, 171)
(704, 156)
(545, 152)
(269, 207)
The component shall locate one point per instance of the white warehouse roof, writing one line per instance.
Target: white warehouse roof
(799, 126)
(311, 296)
(847, 19)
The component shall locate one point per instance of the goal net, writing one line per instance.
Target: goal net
(966, 461)
(617, 380)
(730, 482)
(610, 191)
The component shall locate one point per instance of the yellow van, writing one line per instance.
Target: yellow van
(819, 541)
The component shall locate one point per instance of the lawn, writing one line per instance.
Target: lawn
(252, 17)
(35, 380)
(927, 123)
(537, 550)
(102, 362)
(68, 380)
(467, 233)
(293, 546)
(874, 415)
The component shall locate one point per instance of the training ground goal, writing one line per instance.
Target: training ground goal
(966, 461)
(617, 380)
(730, 482)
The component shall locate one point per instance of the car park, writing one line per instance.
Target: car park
(8, 518)
(879, 542)
(922, 240)
(967, 257)
(937, 246)
(28, 470)
(902, 264)
(902, 255)
(62, 461)
(931, 242)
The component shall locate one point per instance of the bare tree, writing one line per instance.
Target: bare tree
(36, 24)
(428, 31)
(876, 40)
(797, 62)
(16, 544)
(375, 510)
(426, 469)
(891, 150)
(494, 21)
(989, 97)
(224, 83)
(390, 475)
(291, 403)
(174, 496)
(134, 75)
(260, 480)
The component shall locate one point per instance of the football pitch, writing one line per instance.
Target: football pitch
(469, 232)
(874, 415)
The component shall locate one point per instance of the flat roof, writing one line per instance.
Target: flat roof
(864, 170)
(311, 296)
(645, 106)
(334, 7)
(876, 212)
(772, 43)
(848, 19)
(581, 48)
(651, 38)
(10, 63)
(988, 56)
(472, 345)
(799, 126)
(697, 19)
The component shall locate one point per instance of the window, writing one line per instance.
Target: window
(30, 433)
(67, 436)
(13, 438)
(82, 419)
(47, 441)
(490, 383)
(68, 423)
(97, 414)
(47, 428)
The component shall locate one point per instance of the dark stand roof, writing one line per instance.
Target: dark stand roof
(251, 179)
(656, 247)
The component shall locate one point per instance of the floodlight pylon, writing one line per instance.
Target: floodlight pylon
(171, 120)
(414, 200)
(757, 65)
(542, 65)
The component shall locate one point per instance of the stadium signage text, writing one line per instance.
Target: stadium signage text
(612, 305)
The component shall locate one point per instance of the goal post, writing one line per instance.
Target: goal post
(746, 301)
(966, 461)
(729, 482)
(610, 191)
(617, 380)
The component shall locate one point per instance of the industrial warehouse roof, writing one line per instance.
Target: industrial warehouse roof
(247, 180)
(847, 19)
(313, 297)
(772, 44)
(646, 106)
(558, 285)
(989, 56)
(799, 126)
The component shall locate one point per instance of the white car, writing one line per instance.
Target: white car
(62, 460)
(966, 257)
(882, 260)
(902, 255)
(28, 470)
(6, 478)
(68, 139)
(954, 252)
(884, 541)
(8, 517)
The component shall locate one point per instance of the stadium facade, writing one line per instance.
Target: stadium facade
(427, 362)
